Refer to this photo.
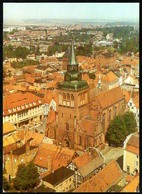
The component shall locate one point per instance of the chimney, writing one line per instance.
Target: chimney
(27, 147)
(49, 163)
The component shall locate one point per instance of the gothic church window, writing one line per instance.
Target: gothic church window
(67, 126)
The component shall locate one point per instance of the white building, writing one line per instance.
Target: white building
(133, 106)
(20, 109)
(131, 154)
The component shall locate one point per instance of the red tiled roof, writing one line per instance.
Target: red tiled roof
(126, 95)
(136, 101)
(132, 186)
(129, 178)
(101, 182)
(8, 127)
(111, 77)
(82, 160)
(60, 156)
(87, 125)
(51, 117)
(133, 144)
(132, 149)
(109, 98)
(19, 102)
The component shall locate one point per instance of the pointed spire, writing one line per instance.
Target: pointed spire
(72, 60)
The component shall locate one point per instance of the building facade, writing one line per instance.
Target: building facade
(131, 154)
(60, 183)
(21, 109)
(72, 107)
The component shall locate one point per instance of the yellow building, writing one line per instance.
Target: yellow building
(61, 180)
(8, 129)
(131, 154)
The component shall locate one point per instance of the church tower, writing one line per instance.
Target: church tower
(73, 102)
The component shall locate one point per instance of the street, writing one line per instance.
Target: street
(112, 153)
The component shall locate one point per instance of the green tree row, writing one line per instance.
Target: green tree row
(24, 63)
(118, 31)
(19, 52)
(56, 47)
(129, 44)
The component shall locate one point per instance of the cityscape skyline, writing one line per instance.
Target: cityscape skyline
(91, 11)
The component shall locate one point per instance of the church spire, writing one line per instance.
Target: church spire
(72, 59)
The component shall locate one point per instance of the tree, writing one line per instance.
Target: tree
(21, 52)
(120, 127)
(6, 184)
(27, 177)
(130, 122)
(28, 62)
(92, 76)
(116, 132)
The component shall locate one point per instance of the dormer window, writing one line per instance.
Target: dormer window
(14, 109)
(26, 105)
(39, 101)
(34, 103)
(9, 110)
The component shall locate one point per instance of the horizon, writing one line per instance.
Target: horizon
(117, 12)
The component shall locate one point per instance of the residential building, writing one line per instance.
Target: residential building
(22, 108)
(61, 180)
(85, 166)
(41, 69)
(131, 154)
(110, 175)
(111, 80)
(133, 106)
(51, 157)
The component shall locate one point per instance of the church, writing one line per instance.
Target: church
(78, 126)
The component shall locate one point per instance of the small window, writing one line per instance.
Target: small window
(137, 163)
(137, 156)
(128, 168)
(62, 115)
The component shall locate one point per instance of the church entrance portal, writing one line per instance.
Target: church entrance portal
(66, 143)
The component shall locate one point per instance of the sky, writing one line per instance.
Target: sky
(98, 11)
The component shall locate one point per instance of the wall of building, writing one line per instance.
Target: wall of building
(64, 186)
(130, 160)
(72, 106)
(29, 115)
(110, 113)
